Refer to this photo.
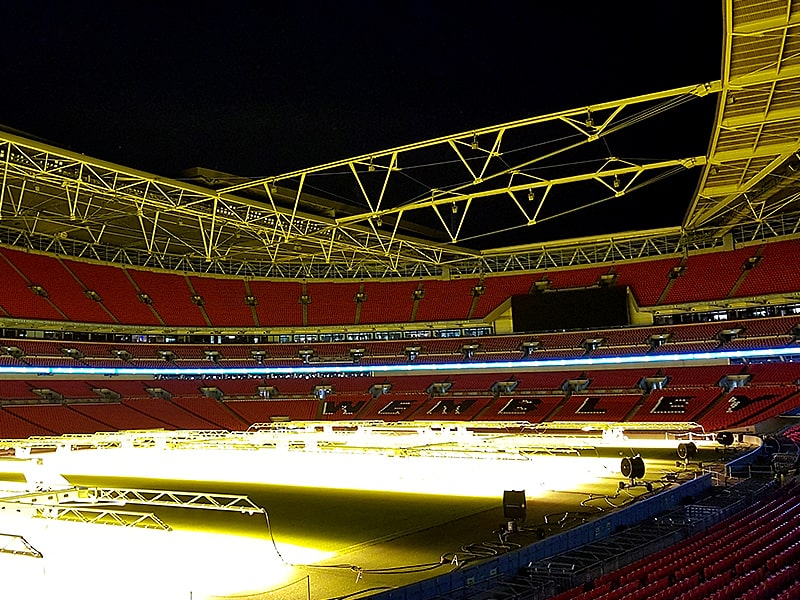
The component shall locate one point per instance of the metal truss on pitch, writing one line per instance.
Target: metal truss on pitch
(427, 208)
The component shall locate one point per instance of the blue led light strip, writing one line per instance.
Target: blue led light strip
(526, 364)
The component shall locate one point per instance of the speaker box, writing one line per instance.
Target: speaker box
(514, 504)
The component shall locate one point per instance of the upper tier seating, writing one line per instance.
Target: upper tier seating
(45, 287)
(776, 272)
(708, 276)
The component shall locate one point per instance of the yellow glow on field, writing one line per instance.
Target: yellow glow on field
(370, 471)
(86, 562)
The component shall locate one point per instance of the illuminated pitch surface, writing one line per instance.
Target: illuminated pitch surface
(370, 529)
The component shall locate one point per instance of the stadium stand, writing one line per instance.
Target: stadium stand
(451, 298)
(647, 279)
(63, 289)
(708, 276)
(388, 304)
(116, 290)
(332, 303)
(278, 303)
(712, 290)
(750, 555)
(223, 301)
(775, 272)
(500, 288)
(170, 296)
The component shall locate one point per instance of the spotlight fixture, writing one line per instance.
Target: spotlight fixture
(687, 451)
(616, 182)
(531, 195)
(632, 467)
(725, 438)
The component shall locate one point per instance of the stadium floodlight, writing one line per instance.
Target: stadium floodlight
(212, 355)
(73, 353)
(504, 387)
(514, 505)
(468, 351)
(306, 354)
(13, 351)
(258, 356)
(632, 467)
(687, 451)
(167, 355)
(322, 391)
(412, 352)
(731, 382)
(122, 354)
(357, 353)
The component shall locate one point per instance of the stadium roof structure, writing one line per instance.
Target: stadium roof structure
(449, 205)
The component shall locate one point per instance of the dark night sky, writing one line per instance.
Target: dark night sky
(260, 89)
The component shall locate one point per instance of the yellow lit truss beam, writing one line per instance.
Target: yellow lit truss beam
(53, 199)
(752, 159)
